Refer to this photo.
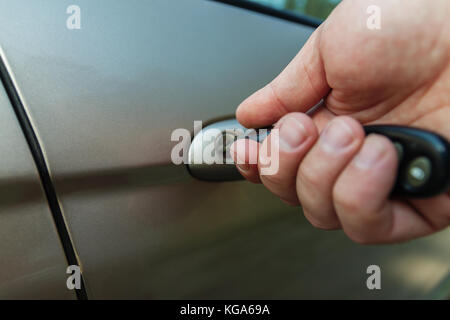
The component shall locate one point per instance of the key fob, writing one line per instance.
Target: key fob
(424, 160)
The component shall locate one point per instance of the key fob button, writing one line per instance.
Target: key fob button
(398, 146)
(419, 171)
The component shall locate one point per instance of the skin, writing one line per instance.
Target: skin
(399, 74)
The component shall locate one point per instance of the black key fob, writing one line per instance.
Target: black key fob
(424, 160)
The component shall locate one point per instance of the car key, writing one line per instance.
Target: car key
(424, 159)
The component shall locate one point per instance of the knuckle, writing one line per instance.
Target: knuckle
(361, 238)
(354, 206)
(346, 201)
(308, 177)
(446, 218)
(273, 180)
(320, 223)
(438, 222)
(282, 188)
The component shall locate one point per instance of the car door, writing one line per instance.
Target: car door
(103, 100)
(33, 263)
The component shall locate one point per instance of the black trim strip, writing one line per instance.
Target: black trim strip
(282, 14)
(44, 174)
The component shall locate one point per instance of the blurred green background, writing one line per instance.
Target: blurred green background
(315, 8)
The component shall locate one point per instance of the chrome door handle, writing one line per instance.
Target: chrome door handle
(220, 134)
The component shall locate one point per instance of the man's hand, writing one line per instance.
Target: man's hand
(399, 74)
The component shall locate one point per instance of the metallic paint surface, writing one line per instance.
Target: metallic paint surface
(105, 99)
(32, 262)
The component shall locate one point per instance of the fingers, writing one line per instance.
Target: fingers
(297, 133)
(317, 174)
(245, 155)
(342, 180)
(298, 88)
(435, 210)
(361, 197)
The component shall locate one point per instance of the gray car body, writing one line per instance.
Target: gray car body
(103, 102)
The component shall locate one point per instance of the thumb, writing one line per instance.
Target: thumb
(298, 87)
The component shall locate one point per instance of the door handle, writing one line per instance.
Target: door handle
(216, 140)
(424, 156)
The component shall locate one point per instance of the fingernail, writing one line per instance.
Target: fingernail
(240, 161)
(279, 123)
(292, 134)
(337, 135)
(243, 166)
(371, 152)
